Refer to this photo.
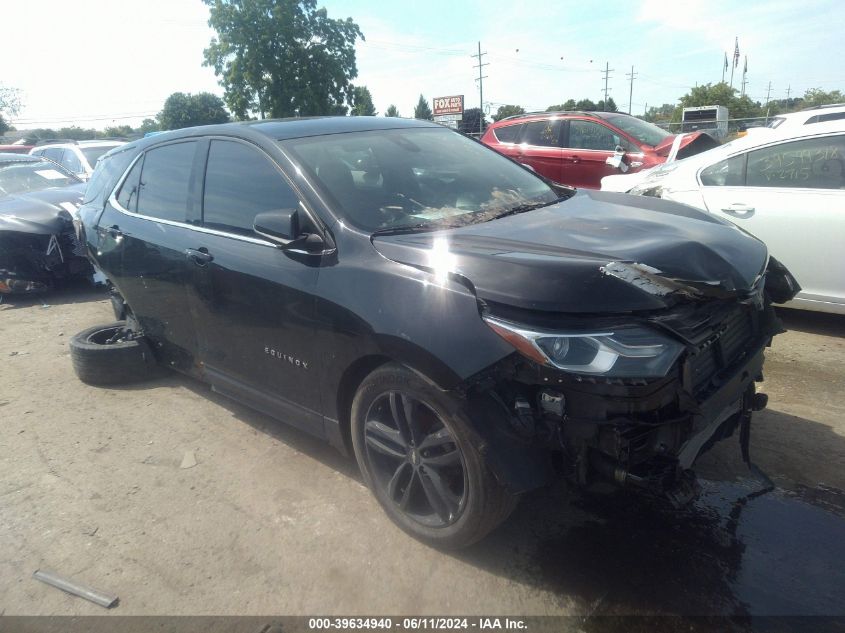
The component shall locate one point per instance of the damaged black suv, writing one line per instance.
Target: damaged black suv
(467, 329)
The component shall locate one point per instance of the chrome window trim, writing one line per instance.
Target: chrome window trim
(202, 229)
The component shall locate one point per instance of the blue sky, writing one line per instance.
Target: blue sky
(98, 62)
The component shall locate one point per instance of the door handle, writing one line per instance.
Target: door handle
(200, 256)
(739, 210)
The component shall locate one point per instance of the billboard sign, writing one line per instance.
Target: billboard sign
(448, 105)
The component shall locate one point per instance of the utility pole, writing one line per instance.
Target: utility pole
(480, 88)
(768, 92)
(633, 76)
(607, 70)
(788, 90)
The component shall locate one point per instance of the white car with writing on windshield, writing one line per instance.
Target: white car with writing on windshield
(786, 188)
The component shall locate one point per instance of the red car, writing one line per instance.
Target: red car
(573, 148)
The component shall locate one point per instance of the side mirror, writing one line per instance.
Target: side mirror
(281, 226)
(616, 161)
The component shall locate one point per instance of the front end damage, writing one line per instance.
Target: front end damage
(640, 433)
(33, 258)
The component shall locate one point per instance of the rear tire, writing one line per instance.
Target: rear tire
(416, 451)
(97, 361)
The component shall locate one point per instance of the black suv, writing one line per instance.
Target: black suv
(469, 330)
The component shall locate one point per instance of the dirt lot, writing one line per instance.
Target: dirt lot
(270, 521)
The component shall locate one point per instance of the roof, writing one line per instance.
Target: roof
(596, 114)
(11, 157)
(282, 129)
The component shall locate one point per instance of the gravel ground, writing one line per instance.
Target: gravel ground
(270, 521)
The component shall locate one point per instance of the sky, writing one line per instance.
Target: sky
(96, 63)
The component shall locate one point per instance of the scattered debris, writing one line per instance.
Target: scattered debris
(96, 596)
(18, 353)
(90, 531)
(189, 460)
(46, 305)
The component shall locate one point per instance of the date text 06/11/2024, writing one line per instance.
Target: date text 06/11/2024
(426, 623)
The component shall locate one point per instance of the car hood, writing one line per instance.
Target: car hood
(689, 144)
(598, 252)
(40, 212)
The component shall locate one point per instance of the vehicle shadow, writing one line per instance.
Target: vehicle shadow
(724, 562)
(822, 323)
(73, 291)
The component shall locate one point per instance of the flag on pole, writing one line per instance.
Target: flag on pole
(745, 69)
(726, 61)
(736, 53)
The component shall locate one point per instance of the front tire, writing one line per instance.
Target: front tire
(414, 446)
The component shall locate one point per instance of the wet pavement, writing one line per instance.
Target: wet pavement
(738, 555)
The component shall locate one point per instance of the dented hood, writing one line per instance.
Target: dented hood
(688, 144)
(598, 252)
(40, 212)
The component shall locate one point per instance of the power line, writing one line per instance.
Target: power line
(480, 87)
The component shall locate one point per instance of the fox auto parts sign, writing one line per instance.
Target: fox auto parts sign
(448, 105)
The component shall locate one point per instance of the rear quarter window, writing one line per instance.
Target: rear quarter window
(508, 133)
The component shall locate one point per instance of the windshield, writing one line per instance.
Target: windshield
(396, 178)
(22, 177)
(643, 131)
(93, 153)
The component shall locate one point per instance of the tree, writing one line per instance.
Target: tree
(508, 110)
(10, 103)
(473, 121)
(282, 57)
(147, 125)
(422, 110)
(392, 111)
(610, 106)
(815, 97)
(660, 114)
(719, 94)
(118, 130)
(186, 110)
(362, 102)
(569, 104)
(585, 105)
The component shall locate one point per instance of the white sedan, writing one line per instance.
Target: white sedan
(785, 187)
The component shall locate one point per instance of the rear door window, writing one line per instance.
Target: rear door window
(127, 197)
(542, 133)
(508, 134)
(240, 183)
(165, 181)
(816, 163)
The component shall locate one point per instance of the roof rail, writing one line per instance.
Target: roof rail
(590, 113)
(52, 141)
(822, 107)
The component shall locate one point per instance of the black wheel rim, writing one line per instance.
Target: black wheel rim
(415, 460)
(108, 336)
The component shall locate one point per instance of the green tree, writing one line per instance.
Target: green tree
(508, 110)
(473, 121)
(77, 133)
(585, 105)
(610, 106)
(118, 130)
(392, 111)
(815, 97)
(422, 110)
(362, 102)
(569, 104)
(719, 94)
(282, 57)
(147, 125)
(660, 114)
(186, 110)
(10, 103)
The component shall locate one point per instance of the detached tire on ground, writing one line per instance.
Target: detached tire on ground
(108, 355)
(415, 446)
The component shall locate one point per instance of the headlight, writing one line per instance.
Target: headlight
(625, 352)
(647, 189)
